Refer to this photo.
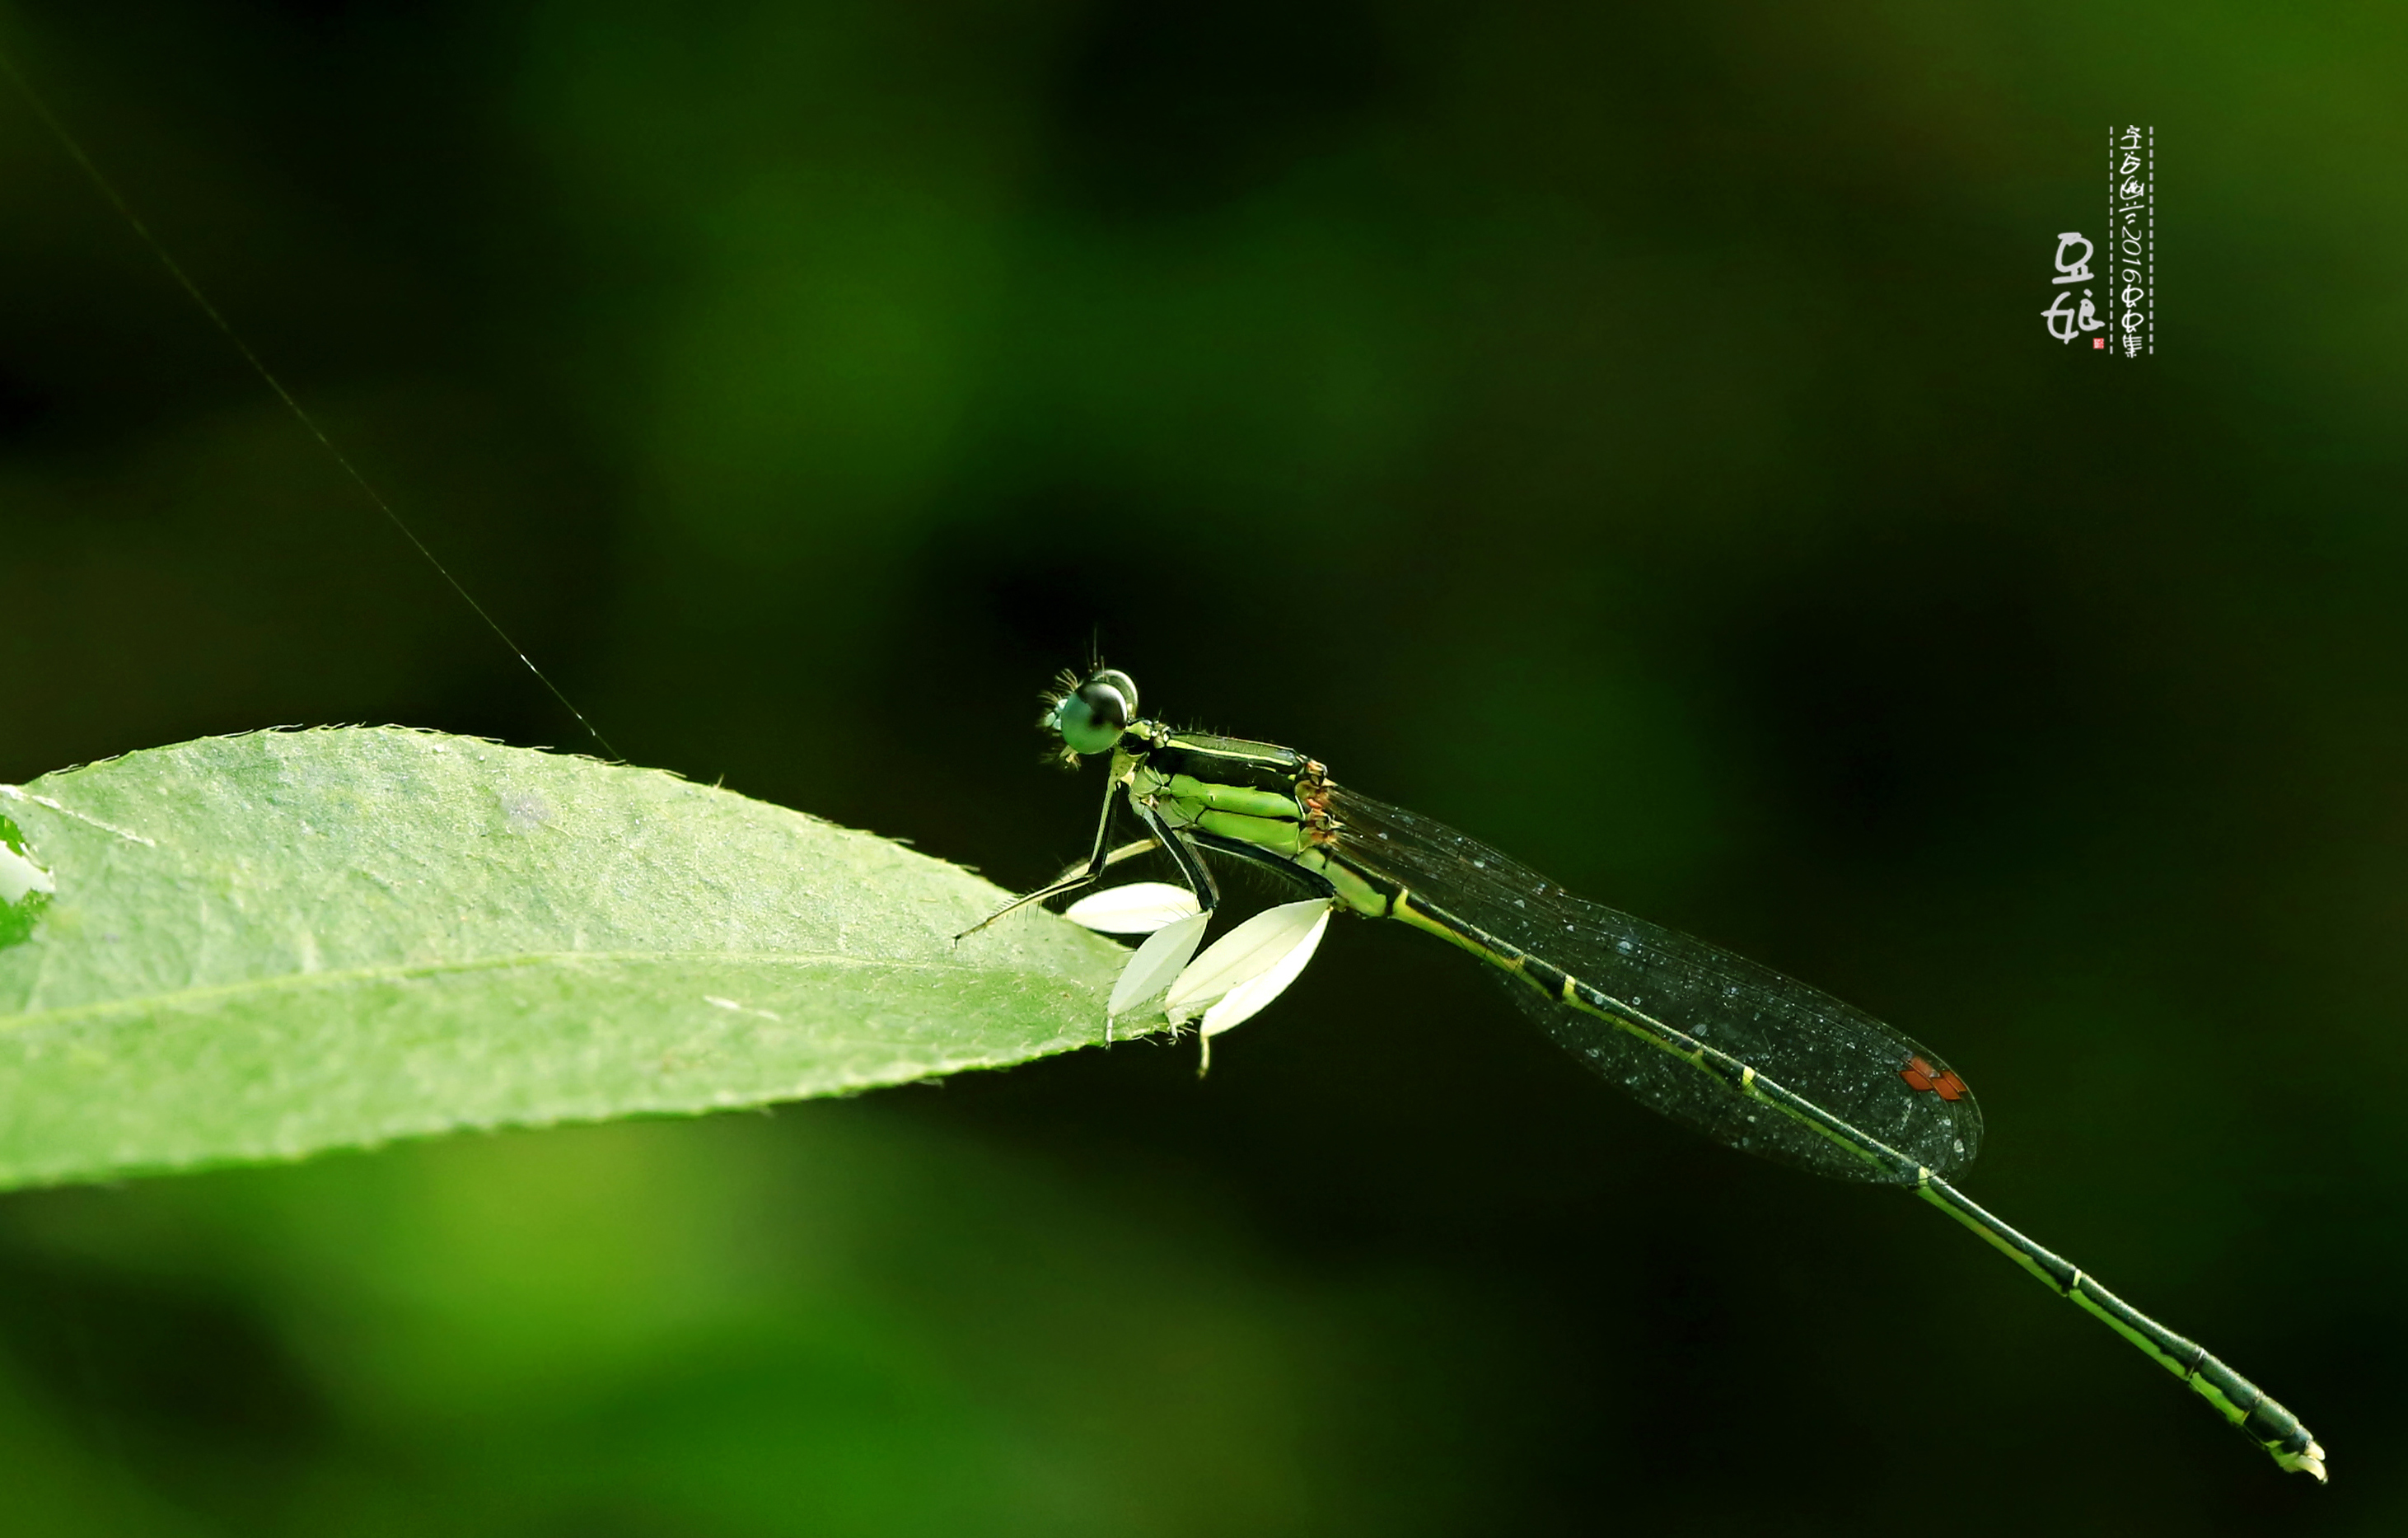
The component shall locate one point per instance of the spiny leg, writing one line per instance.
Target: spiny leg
(1083, 875)
(1184, 853)
(1128, 850)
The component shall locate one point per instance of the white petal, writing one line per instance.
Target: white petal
(1156, 962)
(1247, 999)
(1140, 908)
(1258, 949)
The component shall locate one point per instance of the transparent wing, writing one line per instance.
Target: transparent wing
(1831, 1054)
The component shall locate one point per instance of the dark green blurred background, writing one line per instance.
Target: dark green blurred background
(1629, 437)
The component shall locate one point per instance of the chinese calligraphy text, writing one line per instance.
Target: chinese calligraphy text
(2064, 319)
(2133, 237)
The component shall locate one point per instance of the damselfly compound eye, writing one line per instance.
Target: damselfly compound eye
(1112, 678)
(1092, 717)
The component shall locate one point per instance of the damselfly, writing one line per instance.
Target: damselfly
(1745, 1055)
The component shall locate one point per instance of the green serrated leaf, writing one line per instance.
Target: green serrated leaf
(259, 947)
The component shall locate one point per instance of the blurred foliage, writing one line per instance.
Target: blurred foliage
(740, 1327)
(1626, 435)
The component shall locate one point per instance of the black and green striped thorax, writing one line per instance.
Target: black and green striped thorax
(1256, 800)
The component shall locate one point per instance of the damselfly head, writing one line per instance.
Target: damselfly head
(1090, 714)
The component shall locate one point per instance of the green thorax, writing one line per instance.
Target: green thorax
(1255, 793)
(1271, 798)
